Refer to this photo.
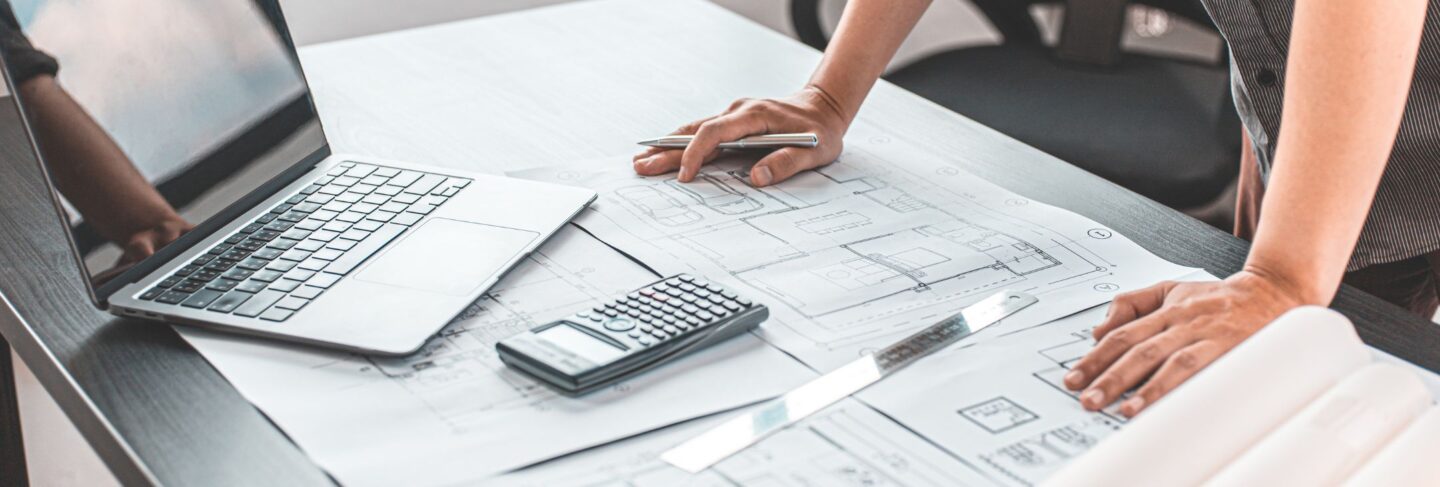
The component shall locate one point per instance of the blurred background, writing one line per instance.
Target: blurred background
(1170, 139)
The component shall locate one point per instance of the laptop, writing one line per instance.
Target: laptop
(197, 187)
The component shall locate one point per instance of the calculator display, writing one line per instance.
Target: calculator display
(580, 343)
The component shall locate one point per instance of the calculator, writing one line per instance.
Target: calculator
(633, 333)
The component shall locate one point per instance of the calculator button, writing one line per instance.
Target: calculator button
(676, 292)
(687, 278)
(715, 298)
(611, 313)
(705, 315)
(661, 298)
(632, 296)
(700, 283)
(687, 298)
(633, 303)
(633, 313)
(667, 309)
(659, 334)
(743, 302)
(619, 324)
(646, 309)
(646, 328)
(599, 310)
(657, 314)
(647, 292)
(660, 288)
(713, 288)
(687, 287)
(596, 318)
(689, 308)
(692, 321)
(634, 333)
(668, 319)
(701, 293)
(647, 318)
(623, 309)
(643, 341)
(718, 311)
(730, 305)
(728, 294)
(646, 301)
(674, 281)
(671, 329)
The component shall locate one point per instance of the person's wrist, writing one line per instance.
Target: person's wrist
(1298, 287)
(840, 110)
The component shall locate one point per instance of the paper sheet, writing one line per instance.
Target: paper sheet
(453, 413)
(1225, 409)
(1409, 459)
(1327, 440)
(859, 253)
(845, 444)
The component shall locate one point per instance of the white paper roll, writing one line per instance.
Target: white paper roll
(1411, 458)
(1334, 435)
(1200, 427)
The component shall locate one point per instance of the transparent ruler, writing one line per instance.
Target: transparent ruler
(712, 446)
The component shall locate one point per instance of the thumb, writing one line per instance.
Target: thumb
(782, 164)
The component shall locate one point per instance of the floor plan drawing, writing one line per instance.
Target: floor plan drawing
(857, 253)
(387, 421)
(848, 444)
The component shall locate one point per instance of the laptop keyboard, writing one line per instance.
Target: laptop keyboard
(289, 256)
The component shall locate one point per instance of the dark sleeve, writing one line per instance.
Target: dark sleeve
(23, 60)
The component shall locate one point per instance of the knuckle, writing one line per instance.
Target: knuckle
(1148, 352)
(1186, 360)
(1123, 338)
(738, 104)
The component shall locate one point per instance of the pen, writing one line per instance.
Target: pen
(771, 141)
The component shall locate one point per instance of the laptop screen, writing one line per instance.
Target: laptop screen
(154, 119)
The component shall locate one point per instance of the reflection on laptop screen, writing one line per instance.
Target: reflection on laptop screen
(153, 115)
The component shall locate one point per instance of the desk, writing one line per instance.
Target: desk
(487, 94)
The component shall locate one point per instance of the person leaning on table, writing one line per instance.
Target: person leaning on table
(1339, 203)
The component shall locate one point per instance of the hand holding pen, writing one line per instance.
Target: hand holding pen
(810, 112)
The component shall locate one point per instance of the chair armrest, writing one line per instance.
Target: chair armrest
(805, 17)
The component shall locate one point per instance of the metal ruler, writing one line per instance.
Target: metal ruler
(709, 448)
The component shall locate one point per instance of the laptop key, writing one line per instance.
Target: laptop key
(346, 180)
(388, 190)
(364, 208)
(234, 239)
(336, 226)
(360, 170)
(251, 228)
(258, 303)
(202, 298)
(323, 280)
(370, 224)
(252, 264)
(153, 293)
(282, 208)
(349, 197)
(375, 198)
(309, 245)
(341, 245)
(425, 184)
(223, 285)
(283, 243)
(238, 274)
(276, 314)
(292, 303)
(168, 282)
(267, 253)
(266, 218)
(172, 297)
(285, 285)
(251, 286)
(405, 178)
(313, 264)
(406, 219)
(296, 234)
(364, 249)
(295, 255)
(229, 301)
(386, 172)
(375, 180)
(188, 286)
(380, 216)
(307, 292)
(327, 254)
(266, 276)
(280, 225)
(281, 265)
(310, 224)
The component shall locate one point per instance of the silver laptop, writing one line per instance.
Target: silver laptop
(197, 187)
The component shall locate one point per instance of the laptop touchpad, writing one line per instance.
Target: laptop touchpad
(447, 256)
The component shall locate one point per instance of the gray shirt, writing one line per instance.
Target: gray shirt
(1404, 220)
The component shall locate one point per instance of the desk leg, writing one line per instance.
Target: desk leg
(12, 446)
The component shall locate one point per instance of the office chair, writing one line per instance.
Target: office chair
(1164, 128)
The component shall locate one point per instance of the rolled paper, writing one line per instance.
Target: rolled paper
(1203, 425)
(1411, 458)
(1333, 436)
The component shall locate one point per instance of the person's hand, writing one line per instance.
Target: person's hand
(1173, 330)
(146, 241)
(810, 110)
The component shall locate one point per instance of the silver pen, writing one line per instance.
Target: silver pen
(771, 141)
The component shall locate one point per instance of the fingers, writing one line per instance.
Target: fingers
(1133, 367)
(1177, 369)
(1109, 350)
(782, 164)
(1133, 305)
(656, 161)
(707, 139)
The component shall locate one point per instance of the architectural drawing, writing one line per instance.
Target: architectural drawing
(387, 421)
(848, 444)
(855, 254)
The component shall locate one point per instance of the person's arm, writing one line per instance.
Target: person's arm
(869, 33)
(1350, 68)
(95, 175)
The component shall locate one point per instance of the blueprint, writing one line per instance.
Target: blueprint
(848, 444)
(453, 413)
(863, 251)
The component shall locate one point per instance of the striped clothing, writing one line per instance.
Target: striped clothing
(1404, 220)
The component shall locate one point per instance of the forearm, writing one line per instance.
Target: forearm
(88, 167)
(1350, 67)
(869, 34)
